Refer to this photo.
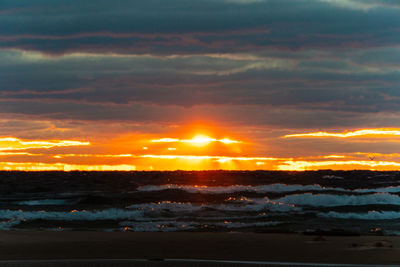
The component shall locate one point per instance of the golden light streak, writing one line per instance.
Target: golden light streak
(59, 156)
(294, 165)
(39, 166)
(18, 154)
(217, 158)
(196, 140)
(380, 132)
(12, 143)
(186, 157)
(334, 157)
(166, 140)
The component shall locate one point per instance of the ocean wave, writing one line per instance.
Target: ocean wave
(370, 215)
(389, 189)
(139, 212)
(173, 226)
(74, 215)
(158, 226)
(271, 188)
(7, 225)
(329, 200)
(236, 225)
(44, 202)
(240, 205)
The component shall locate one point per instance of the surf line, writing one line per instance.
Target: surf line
(280, 263)
(116, 261)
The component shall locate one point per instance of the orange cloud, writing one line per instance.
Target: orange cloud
(196, 140)
(12, 143)
(295, 165)
(39, 166)
(59, 156)
(381, 132)
(217, 158)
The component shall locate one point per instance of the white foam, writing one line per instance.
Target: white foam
(139, 212)
(7, 225)
(232, 225)
(241, 205)
(370, 215)
(271, 188)
(39, 202)
(332, 177)
(392, 232)
(108, 214)
(328, 200)
(170, 226)
(161, 226)
(389, 189)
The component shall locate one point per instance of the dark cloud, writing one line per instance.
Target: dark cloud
(287, 63)
(195, 27)
(335, 82)
(266, 116)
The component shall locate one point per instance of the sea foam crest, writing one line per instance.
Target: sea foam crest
(39, 202)
(242, 205)
(370, 215)
(272, 188)
(83, 215)
(171, 226)
(233, 225)
(328, 200)
(389, 189)
(7, 225)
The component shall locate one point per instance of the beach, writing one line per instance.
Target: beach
(151, 248)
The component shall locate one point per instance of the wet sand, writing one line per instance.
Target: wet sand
(44, 245)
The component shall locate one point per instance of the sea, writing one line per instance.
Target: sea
(322, 202)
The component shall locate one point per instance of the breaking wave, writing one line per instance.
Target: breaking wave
(271, 188)
(40, 202)
(370, 215)
(75, 215)
(242, 205)
(172, 226)
(328, 200)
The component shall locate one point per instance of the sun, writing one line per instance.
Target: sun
(200, 140)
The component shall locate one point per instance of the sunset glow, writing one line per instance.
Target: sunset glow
(201, 152)
(358, 133)
(196, 140)
(34, 166)
(146, 85)
(342, 165)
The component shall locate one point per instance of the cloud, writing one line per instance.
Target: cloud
(364, 5)
(196, 27)
(13, 143)
(337, 81)
(359, 133)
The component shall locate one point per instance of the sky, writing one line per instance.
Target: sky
(193, 85)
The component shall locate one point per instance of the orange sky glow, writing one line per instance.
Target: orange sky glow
(142, 87)
(194, 150)
(358, 133)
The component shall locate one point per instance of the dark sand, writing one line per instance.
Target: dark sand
(44, 245)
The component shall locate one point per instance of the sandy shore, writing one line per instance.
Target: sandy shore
(43, 245)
